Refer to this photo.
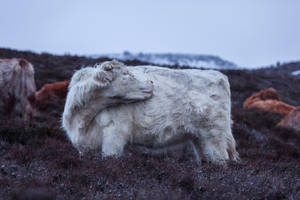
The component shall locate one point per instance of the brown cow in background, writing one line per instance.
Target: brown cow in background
(270, 93)
(268, 100)
(18, 88)
(51, 92)
(292, 120)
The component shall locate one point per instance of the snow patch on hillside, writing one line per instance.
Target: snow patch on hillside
(190, 60)
(296, 73)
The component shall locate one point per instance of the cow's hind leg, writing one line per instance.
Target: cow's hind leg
(9, 106)
(212, 147)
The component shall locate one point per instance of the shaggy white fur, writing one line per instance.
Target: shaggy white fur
(187, 106)
(18, 88)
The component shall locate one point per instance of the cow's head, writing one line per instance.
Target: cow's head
(120, 83)
(270, 93)
(93, 89)
(111, 82)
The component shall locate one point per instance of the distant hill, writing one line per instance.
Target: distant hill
(191, 60)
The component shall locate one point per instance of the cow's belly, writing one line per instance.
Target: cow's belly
(167, 137)
(160, 126)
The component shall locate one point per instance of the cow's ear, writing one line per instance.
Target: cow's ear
(106, 66)
(110, 65)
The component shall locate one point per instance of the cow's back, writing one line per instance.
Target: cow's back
(181, 100)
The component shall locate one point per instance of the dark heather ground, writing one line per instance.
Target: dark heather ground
(38, 161)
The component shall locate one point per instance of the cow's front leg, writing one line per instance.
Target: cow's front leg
(113, 141)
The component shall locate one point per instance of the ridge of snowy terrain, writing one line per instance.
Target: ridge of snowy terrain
(296, 73)
(191, 60)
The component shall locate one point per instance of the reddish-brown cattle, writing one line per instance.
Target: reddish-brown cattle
(292, 120)
(270, 93)
(18, 88)
(273, 106)
(268, 100)
(52, 92)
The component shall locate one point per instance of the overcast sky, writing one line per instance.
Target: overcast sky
(249, 33)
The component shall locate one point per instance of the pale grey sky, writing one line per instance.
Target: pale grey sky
(247, 32)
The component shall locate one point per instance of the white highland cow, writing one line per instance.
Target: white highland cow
(110, 105)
